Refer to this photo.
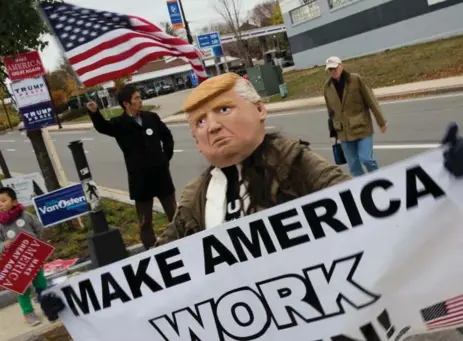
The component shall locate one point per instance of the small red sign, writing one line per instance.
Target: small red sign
(24, 65)
(59, 265)
(22, 261)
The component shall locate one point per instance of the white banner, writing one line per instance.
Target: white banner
(24, 187)
(374, 259)
(30, 91)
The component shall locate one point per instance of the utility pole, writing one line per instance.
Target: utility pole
(5, 108)
(187, 26)
(4, 166)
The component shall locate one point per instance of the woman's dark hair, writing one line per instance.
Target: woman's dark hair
(261, 170)
(125, 95)
(10, 192)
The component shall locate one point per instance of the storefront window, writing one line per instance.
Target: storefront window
(306, 12)
(333, 4)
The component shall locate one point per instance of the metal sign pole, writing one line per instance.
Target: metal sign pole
(105, 244)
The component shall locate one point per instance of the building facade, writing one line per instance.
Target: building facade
(318, 29)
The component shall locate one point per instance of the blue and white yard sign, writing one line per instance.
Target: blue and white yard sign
(61, 205)
(208, 40)
(39, 115)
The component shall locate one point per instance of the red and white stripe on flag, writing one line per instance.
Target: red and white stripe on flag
(102, 46)
(123, 51)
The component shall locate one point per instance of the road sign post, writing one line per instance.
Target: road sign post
(175, 14)
(211, 41)
(4, 166)
(105, 244)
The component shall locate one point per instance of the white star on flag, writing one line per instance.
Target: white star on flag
(103, 46)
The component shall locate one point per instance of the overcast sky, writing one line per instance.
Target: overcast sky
(199, 13)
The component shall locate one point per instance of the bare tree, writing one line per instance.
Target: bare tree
(261, 14)
(167, 27)
(230, 10)
(220, 27)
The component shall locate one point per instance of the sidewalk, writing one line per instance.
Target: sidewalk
(13, 327)
(432, 87)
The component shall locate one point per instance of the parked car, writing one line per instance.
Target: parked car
(150, 93)
(165, 89)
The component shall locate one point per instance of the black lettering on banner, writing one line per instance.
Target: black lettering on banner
(339, 286)
(167, 268)
(366, 196)
(186, 324)
(282, 230)
(315, 221)
(294, 296)
(287, 300)
(288, 297)
(107, 283)
(402, 333)
(430, 186)
(351, 209)
(211, 243)
(87, 292)
(385, 322)
(258, 232)
(368, 332)
(249, 317)
(136, 279)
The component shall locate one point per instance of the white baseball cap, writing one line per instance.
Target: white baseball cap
(333, 62)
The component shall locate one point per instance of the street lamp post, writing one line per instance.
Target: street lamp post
(105, 244)
(187, 26)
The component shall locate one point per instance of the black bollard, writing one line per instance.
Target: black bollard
(105, 244)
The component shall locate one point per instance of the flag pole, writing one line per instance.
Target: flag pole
(50, 27)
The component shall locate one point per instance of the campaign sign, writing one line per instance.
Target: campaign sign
(58, 265)
(38, 116)
(23, 187)
(22, 261)
(37, 180)
(30, 91)
(24, 65)
(61, 205)
(175, 14)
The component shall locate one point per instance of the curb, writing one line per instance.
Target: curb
(318, 103)
(36, 335)
(178, 117)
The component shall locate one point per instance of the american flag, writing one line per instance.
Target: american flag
(102, 46)
(444, 314)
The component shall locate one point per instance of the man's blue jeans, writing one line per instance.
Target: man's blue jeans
(360, 152)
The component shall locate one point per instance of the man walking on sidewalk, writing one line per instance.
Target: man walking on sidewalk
(148, 147)
(349, 101)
